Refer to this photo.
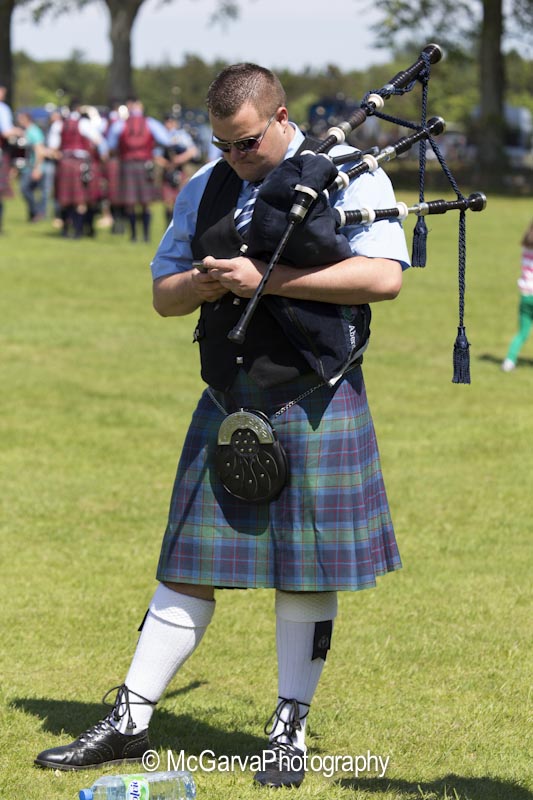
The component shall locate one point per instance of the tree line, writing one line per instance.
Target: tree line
(475, 30)
(453, 89)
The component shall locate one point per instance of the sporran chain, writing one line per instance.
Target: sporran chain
(281, 410)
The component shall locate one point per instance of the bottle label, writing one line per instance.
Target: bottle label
(137, 789)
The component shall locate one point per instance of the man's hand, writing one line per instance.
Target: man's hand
(182, 293)
(238, 275)
(208, 288)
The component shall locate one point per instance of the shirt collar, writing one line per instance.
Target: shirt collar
(294, 144)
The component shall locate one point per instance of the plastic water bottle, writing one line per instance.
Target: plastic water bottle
(177, 785)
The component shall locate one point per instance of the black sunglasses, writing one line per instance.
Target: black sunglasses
(243, 145)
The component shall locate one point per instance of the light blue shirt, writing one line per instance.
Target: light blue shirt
(383, 239)
(180, 138)
(176, 139)
(6, 118)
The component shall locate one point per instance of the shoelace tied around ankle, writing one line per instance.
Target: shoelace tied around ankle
(123, 698)
(290, 725)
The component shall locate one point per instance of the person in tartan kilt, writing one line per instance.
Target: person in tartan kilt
(79, 145)
(112, 208)
(113, 194)
(179, 152)
(328, 527)
(8, 130)
(98, 158)
(134, 140)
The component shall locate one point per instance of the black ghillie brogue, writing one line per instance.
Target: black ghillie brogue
(102, 743)
(283, 763)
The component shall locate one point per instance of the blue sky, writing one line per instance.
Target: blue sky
(275, 33)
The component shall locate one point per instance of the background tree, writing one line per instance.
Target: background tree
(7, 7)
(122, 15)
(468, 30)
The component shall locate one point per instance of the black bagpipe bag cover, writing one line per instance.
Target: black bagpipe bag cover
(327, 334)
(313, 242)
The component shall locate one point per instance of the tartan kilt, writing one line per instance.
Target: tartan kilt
(69, 188)
(169, 193)
(112, 178)
(329, 529)
(136, 186)
(5, 167)
(96, 186)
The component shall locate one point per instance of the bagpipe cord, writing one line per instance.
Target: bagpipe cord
(461, 354)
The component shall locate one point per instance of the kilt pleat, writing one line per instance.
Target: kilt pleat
(112, 176)
(169, 193)
(329, 529)
(136, 184)
(96, 187)
(70, 189)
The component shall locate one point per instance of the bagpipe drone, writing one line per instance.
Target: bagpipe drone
(293, 203)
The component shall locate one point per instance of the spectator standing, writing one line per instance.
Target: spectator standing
(32, 181)
(7, 130)
(49, 168)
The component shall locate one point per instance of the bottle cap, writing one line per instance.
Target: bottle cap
(86, 794)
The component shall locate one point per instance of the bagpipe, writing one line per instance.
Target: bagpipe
(475, 202)
(293, 208)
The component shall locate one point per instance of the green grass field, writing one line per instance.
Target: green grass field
(432, 669)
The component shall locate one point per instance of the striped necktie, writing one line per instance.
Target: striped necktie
(243, 219)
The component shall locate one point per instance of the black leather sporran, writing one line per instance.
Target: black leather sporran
(249, 459)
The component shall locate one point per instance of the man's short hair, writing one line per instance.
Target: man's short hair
(245, 83)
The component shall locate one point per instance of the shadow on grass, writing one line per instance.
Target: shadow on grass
(497, 360)
(450, 787)
(168, 731)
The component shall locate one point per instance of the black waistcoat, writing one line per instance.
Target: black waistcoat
(266, 354)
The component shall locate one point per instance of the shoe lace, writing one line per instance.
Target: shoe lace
(95, 730)
(290, 725)
(123, 701)
(283, 749)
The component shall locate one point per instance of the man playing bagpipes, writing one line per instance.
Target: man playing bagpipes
(279, 484)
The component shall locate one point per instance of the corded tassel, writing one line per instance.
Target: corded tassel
(461, 358)
(420, 233)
